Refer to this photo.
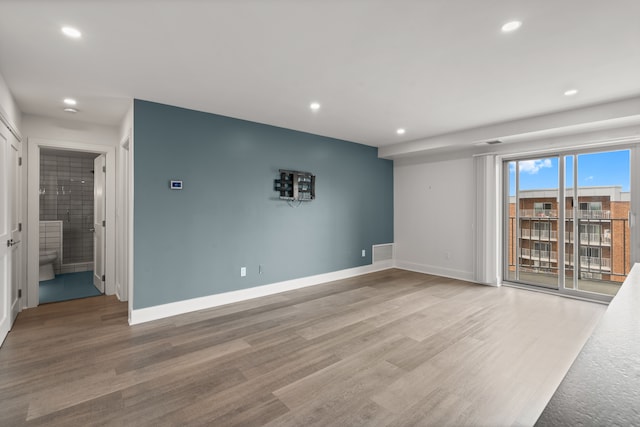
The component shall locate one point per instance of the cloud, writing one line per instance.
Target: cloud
(589, 178)
(533, 166)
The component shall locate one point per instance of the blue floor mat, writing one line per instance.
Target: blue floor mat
(68, 286)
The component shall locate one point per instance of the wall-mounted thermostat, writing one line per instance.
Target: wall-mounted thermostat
(175, 185)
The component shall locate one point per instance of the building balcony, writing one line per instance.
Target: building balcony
(527, 233)
(592, 263)
(538, 213)
(535, 254)
(586, 262)
(590, 214)
(553, 213)
(587, 239)
(590, 239)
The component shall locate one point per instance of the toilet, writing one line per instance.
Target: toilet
(47, 258)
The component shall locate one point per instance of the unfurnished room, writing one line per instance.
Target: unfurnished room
(319, 213)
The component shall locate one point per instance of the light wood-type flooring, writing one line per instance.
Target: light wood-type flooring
(392, 348)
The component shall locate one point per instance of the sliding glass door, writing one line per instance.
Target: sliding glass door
(567, 222)
(533, 221)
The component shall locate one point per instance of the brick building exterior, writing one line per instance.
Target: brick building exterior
(602, 240)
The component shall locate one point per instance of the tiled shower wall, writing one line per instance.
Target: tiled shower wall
(66, 194)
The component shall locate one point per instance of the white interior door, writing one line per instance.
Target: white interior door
(15, 222)
(99, 215)
(6, 251)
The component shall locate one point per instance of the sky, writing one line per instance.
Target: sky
(594, 169)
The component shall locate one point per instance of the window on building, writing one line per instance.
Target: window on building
(590, 252)
(541, 207)
(541, 225)
(591, 206)
(541, 246)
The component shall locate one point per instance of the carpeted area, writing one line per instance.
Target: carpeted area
(68, 286)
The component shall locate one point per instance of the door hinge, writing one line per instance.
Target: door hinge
(104, 169)
(19, 293)
(19, 226)
(103, 278)
(19, 161)
(104, 223)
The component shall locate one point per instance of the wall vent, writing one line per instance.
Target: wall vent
(383, 252)
(495, 141)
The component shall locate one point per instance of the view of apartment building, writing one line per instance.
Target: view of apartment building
(596, 232)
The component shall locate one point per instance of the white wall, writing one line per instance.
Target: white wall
(8, 105)
(71, 131)
(434, 211)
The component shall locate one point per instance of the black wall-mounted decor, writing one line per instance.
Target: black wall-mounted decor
(296, 185)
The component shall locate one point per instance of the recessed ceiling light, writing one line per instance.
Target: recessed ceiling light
(511, 26)
(401, 131)
(70, 101)
(571, 92)
(71, 110)
(314, 106)
(71, 32)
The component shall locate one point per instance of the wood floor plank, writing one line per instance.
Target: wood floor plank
(392, 348)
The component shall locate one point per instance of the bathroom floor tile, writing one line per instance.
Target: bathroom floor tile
(68, 286)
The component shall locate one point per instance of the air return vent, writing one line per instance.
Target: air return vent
(495, 141)
(382, 252)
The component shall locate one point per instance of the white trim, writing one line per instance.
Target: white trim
(123, 219)
(594, 146)
(600, 118)
(4, 118)
(130, 231)
(148, 314)
(33, 214)
(451, 273)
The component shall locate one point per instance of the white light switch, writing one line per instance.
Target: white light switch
(243, 271)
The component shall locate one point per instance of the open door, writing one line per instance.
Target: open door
(15, 224)
(8, 155)
(99, 215)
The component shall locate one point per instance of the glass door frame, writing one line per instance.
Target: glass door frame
(561, 155)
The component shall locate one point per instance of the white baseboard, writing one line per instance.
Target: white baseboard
(436, 271)
(148, 314)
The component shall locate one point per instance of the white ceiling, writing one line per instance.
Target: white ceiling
(430, 66)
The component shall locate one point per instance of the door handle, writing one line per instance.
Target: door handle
(12, 242)
(92, 229)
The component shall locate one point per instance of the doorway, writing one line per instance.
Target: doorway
(568, 222)
(71, 215)
(81, 226)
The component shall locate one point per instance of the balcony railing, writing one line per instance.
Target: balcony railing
(553, 213)
(614, 236)
(528, 233)
(590, 262)
(538, 213)
(595, 239)
(591, 239)
(538, 254)
(588, 214)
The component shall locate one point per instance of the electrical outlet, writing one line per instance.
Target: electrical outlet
(364, 253)
(447, 255)
(243, 271)
(259, 268)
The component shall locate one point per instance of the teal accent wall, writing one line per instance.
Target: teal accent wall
(191, 243)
